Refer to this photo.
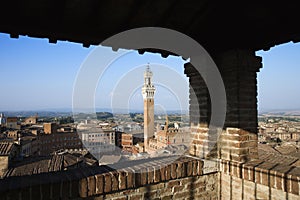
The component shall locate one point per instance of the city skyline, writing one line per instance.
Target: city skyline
(37, 75)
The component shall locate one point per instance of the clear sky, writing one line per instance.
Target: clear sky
(279, 79)
(38, 75)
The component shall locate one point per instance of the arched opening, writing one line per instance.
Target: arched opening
(278, 102)
(38, 81)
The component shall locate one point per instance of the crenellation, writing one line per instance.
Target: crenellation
(114, 181)
(83, 188)
(130, 178)
(122, 180)
(107, 183)
(168, 172)
(111, 184)
(99, 178)
(162, 174)
(91, 180)
(150, 175)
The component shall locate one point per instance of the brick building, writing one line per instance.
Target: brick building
(130, 140)
(31, 120)
(29, 146)
(14, 134)
(169, 136)
(50, 128)
(97, 140)
(52, 139)
(12, 123)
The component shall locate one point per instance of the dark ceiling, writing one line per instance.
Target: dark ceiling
(217, 25)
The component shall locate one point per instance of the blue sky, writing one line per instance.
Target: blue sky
(38, 75)
(279, 79)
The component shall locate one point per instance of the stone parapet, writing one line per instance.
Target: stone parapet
(259, 180)
(156, 178)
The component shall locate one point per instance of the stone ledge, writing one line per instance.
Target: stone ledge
(278, 176)
(84, 182)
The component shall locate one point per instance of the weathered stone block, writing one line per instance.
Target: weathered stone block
(177, 188)
(294, 187)
(182, 194)
(130, 179)
(91, 185)
(135, 197)
(122, 180)
(173, 170)
(144, 176)
(163, 173)
(99, 183)
(83, 187)
(115, 181)
(107, 183)
(172, 183)
(157, 186)
(157, 175)
(179, 169)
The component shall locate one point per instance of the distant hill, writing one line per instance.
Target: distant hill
(33, 113)
(283, 112)
(68, 112)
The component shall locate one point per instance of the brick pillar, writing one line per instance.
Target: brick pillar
(239, 68)
(200, 112)
(238, 141)
(239, 71)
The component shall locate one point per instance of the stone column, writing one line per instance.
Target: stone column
(238, 141)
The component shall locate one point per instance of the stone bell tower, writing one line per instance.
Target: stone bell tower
(148, 92)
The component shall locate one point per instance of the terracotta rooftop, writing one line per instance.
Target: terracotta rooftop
(47, 164)
(287, 149)
(283, 155)
(5, 148)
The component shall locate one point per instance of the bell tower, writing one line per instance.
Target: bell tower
(148, 92)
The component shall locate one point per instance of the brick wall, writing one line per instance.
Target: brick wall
(238, 145)
(259, 180)
(237, 188)
(183, 178)
(155, 179)
(195, 187)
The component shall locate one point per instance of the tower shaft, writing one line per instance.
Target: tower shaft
(148, 92)
(148, 121)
